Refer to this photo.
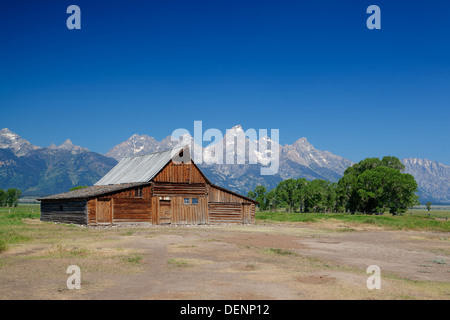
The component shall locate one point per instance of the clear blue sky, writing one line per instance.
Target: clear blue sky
(308, 68)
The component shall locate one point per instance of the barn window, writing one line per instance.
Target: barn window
(138, 192)
(186, 200)
(194, 200)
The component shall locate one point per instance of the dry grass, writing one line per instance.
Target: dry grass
(291, 260)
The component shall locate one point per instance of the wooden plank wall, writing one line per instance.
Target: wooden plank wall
(125, 207)
(222, 212)
(225, 207)
(72, 211)
(132, 210)
(91, 211)
(189, 213)
(180, 173)
(179, 189)
(218, 195)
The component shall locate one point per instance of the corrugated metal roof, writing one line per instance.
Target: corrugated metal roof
(92, 191)
(138, 168)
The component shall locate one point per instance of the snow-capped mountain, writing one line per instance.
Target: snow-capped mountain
(39, 171)
(12, 141)
(235, 161)
(135, 145)
(68, 145)
(432, 177)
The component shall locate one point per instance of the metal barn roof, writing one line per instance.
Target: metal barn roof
(138, 168)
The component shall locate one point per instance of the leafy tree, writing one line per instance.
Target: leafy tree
(251, 195)
(2, 198)
(392, 162)
(428, 204)
(375, 185)
(77, 188)
(300, 190)
(318, 197)
(286, 193)
(260, 195)
(260, 192)
(12, 197)
(272, 202)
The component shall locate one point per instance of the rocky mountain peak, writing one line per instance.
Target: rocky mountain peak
(68, 145)
(10, 140)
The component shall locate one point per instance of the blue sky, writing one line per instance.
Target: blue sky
(308, 68)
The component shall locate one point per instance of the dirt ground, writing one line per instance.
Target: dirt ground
(326, 260)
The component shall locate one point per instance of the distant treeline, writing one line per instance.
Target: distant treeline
(370, 186)
(9, 197)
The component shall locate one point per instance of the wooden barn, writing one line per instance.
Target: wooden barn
(153, 188)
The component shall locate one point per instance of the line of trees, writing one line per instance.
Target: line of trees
(10, 197)
(370, 186)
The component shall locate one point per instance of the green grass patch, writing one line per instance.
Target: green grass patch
(399, 222)
(134, 259)
(439, 261)
(177, 262)
(11, 224)
(279, 251)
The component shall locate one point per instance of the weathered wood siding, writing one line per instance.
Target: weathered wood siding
(180, 173)
(179, 189)
(225, 212)
(132, 210)
(65, 211)
(226, 207)
(189, 213)
(124, 206)
(92, 211)
(219, 195)
(168, 198)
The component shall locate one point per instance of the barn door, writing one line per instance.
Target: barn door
(165, 212)
(104, 210)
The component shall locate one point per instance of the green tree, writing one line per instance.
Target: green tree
(316, 199)
(286, 193)
(2, 198)
(259, 194)
(300, 190)
(375, 185)
(272, 202)
(12, 197)
(428, 204)
(77, 188)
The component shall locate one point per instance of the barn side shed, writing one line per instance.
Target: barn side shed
(155, 188)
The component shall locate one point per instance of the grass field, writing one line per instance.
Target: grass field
(415, 221)
(12, 228)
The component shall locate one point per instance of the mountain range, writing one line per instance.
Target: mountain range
(39, 171)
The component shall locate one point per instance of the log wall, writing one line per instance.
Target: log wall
(65, 211)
